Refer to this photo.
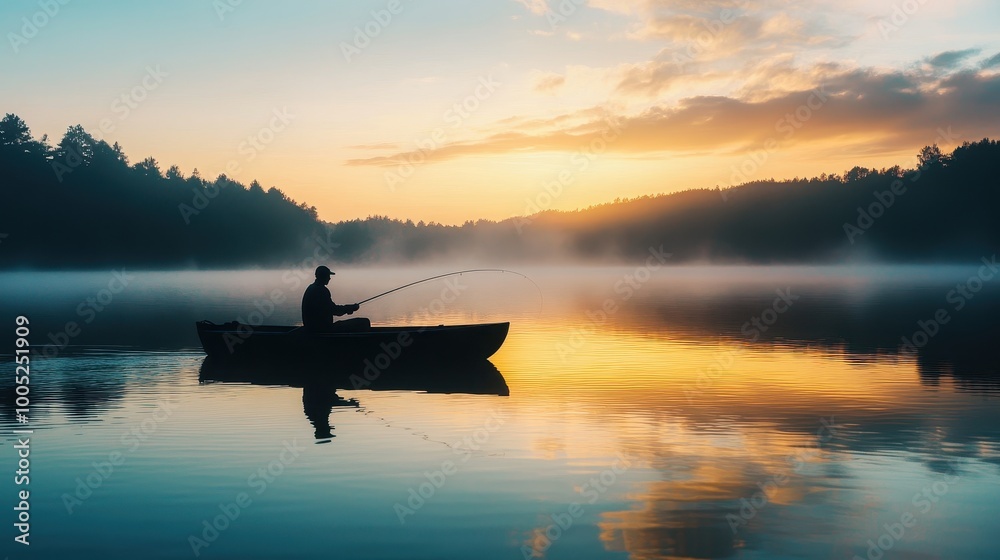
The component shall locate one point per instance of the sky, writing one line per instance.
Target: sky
(452, 110)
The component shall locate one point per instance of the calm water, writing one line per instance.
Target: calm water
(648, 417)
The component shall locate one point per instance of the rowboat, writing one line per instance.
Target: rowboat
(375, 348)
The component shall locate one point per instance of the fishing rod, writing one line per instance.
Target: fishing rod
(459, 273)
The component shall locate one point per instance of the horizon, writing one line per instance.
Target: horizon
(533, 207)
(607, 99)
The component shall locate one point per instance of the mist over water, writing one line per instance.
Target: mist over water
(693, 412)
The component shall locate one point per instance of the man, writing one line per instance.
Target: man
(318, 308)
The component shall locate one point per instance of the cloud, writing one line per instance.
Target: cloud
(893, 109)
(620, 6)
(719, 28)
(537, 7)
(991, 62)
(951, 59)
(653, 78)
(567, 121)
(710, 40)
(778, 76)
(550, 82)
(377, 146)
(541, 32)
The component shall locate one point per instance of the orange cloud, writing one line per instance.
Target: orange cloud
(537, 7)
(827, 103)
(550, 82)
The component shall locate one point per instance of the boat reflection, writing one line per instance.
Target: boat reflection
(474, 378)
(320, 385)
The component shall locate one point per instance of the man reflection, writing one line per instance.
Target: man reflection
(318, 402)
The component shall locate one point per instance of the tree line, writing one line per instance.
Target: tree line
(82, 204)
(941, 210)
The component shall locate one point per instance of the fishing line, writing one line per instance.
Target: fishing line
(459, 273)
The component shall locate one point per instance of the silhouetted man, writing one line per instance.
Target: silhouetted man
(318, 308)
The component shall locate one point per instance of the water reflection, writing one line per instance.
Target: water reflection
(581, 391)
(88, 382)
(320, 385)
(475, 378)
(318, 401)
(865, 320)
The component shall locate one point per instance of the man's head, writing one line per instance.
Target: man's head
(323, 275)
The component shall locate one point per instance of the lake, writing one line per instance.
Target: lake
(644, 413)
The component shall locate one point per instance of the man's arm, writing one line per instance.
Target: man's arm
(339, 310)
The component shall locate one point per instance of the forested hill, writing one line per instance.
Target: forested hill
(82, 204)
(943, 209)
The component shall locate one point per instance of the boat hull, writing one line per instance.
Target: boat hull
(381, 347)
